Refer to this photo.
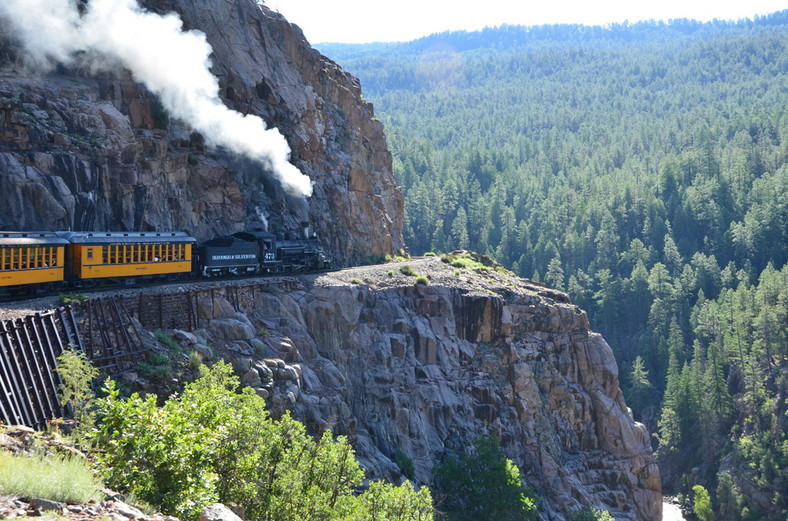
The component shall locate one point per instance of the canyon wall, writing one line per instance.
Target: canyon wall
(96, 151)
(428, 368)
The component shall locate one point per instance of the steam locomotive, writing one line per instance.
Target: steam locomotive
(34, 261)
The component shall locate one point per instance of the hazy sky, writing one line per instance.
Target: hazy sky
(354, 21)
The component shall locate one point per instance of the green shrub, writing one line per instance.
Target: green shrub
(211, 443)
(407, 270)
(161, 118)
(72, 299)
(702, 504)
(429, 254)
(355, 281)
(57, 478)
(484, 485)
(75, 390)
(589, 514)
(390, 273)
(405, 464)
(421, 279)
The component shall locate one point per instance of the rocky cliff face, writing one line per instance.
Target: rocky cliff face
(428, 368)
(89, 152)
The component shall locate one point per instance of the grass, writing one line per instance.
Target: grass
(69, 480)
(168, 341)
(195, 360)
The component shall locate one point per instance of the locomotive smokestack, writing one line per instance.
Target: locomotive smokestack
(305, 228)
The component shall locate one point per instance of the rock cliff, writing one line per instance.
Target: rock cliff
(90, 151)
(427, 368)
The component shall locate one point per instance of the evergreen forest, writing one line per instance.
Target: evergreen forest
(643, 169)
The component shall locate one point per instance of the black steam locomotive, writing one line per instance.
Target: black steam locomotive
(261, 252)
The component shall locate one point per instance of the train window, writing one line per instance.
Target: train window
(104, 255)
(90, 253)
(2, 259)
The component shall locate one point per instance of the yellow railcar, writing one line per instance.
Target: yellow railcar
(102, 255)
(31, 258)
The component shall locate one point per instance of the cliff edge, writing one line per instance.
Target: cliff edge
(427, 368)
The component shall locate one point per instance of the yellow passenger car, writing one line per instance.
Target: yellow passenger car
(100, 255)
(28, 258)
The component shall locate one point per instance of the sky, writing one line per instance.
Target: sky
(360, 21)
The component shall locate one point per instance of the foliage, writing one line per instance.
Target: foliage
(408, 270)
(56, 478)
(75, 390)
(589, 514)
(483, 485)
(405, 464)
(702, 504)
(421, 279)
(72, 299)
(214, 444)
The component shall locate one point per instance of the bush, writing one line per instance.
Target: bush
(421, 279)
(212, 443)
(589, 514)
(56, 478)
(76, 392)
(72, 299)
(407, 270)
(484, 485)
(405, 464)
(702, 504)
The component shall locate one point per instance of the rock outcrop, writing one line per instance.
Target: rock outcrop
(89, 152)
(428, 368)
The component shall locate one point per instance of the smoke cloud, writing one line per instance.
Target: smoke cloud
(171, 63)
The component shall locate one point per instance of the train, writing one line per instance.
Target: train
(37, 262)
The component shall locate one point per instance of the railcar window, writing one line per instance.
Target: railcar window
(2, 259)
(90, 253)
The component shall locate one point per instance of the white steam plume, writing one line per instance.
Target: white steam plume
(171, 63)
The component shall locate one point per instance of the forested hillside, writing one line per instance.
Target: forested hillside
(643, 168)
